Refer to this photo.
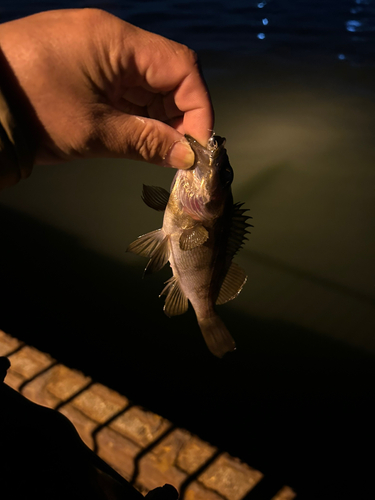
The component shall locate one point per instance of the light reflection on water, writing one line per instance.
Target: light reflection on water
(353, 25)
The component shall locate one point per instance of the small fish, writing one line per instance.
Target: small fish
(202, 231)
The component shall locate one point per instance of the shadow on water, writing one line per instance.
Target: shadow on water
(289, 402)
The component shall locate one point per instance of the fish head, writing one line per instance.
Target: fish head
(211, 166)
(206, 186)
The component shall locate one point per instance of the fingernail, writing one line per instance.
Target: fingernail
(180, 155)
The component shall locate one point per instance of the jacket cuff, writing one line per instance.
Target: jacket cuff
(16, 156)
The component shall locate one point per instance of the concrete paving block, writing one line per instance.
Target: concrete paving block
(140, 425)
(100, 403)
(28, 361)
(194, 453)
(8, 343)
(230, 477)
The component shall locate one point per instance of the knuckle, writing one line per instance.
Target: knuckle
(188, 54)
(93, 14)
(193, 55)
(148, 142)
(93, 17)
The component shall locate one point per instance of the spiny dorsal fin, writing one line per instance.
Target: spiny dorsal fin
(232, 285)
(238, 229)
(144, 245)
(193, 237)
(176, 302)
(159, 257)
(155, 197)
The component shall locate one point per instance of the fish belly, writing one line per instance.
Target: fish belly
(193, 269)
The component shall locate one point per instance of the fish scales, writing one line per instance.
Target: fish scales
(195, 276)
(202, 231)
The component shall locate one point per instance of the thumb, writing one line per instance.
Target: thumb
(146, 139)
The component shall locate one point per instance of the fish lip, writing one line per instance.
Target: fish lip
(206, 153)
(198, 149)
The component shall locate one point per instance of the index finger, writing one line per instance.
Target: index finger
(165, 66)
(193, 99)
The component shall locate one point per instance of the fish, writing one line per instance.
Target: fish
(202, 231)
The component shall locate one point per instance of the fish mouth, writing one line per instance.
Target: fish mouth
(215, 146)
(205, 182)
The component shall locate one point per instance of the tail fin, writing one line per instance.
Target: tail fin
(218, 339)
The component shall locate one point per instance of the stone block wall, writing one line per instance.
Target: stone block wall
(145, 448)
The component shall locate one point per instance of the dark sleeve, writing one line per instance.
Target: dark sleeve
(16, 154)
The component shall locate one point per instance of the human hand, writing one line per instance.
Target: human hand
(98, 86)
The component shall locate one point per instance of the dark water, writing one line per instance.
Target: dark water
(335, 29)
(293, 85)
(289, 402)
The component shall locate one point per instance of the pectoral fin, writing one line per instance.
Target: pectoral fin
(193, 237)
(176, 302)
(232, 285)
(155, 197)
